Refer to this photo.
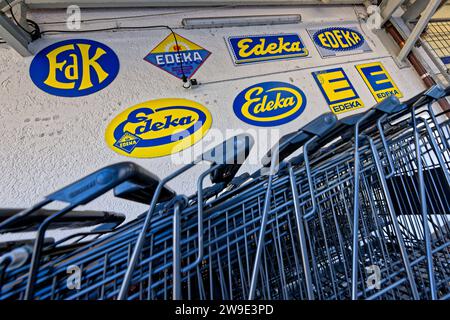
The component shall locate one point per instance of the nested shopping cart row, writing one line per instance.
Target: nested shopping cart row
(356, 208)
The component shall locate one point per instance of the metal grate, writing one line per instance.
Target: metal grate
(437, 35)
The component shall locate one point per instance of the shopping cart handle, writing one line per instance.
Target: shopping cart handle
(287, 146)
(349, 121)
(213, 190)
(322, 125)
(73, 219)
(142, 193)
(389, 105)
(345, 125)
(10, 245)
(435, 92)
(425, 97)
(291, 142)
(101, 181)
(411, 101)
(229, 155)
(83, 191)
(105, 227)
(230, 151)
(341, 128)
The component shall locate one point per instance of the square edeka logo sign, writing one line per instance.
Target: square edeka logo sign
(338, 91)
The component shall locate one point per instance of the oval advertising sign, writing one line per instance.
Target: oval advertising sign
(74, 68)
(269, 104)
(338, 39)
(157, 128)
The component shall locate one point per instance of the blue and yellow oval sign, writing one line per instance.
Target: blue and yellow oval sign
(74, 68)
(269, 104)
(338, 38)
(157, 128)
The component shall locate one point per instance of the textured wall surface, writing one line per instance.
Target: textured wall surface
(48, 141)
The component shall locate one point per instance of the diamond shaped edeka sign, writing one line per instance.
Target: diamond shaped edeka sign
(127, 142)
(166, 56)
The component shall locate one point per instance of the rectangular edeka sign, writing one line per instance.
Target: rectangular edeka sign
(338, 91)
(378, 80)
(259, 48)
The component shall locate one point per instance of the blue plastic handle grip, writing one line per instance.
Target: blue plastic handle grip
(101, 181)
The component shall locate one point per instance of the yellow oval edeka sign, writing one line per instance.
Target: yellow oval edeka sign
(157, 128)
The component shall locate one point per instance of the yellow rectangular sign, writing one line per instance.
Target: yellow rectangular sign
(378, 80)
(338, 91)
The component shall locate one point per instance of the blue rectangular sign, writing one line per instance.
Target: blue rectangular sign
(258, 48)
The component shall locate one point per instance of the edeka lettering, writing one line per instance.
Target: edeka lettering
(171, 58)
(338, 91)
(334, 40)
(168, 122)
(169, 55)
(250, 49)
(378, 81)
(158, 128)
(269, 104)
(74, 68)
(339, 39)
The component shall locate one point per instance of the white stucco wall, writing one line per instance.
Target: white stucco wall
(48, 141)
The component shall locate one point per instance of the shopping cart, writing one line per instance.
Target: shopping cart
(360, 211)
(130, 182)
(352, 193)
(13, 254)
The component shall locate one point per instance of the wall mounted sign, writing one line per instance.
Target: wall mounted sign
(157, 128)
(338, 91)
(269, 104)
(259, 48)
(165, 56)
(335, 41)
(378, 80)
(74, 68)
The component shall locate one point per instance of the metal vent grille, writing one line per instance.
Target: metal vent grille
(437, 36)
